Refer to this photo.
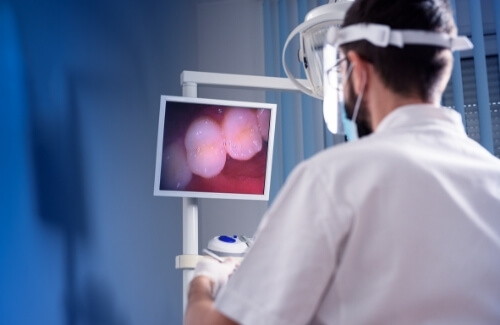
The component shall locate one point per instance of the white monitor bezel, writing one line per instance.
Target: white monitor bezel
(214, 195)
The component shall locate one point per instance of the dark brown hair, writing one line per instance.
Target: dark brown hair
(413, 70)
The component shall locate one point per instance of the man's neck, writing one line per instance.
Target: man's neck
(384, 101)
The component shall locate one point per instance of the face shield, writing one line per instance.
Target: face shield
(378, 35)
(323, 61)
(334, 67)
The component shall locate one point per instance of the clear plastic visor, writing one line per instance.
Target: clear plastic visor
(378, 35)
(333, 93)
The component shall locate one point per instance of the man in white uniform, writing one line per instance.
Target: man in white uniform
(400, 227)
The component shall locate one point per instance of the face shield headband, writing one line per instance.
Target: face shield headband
(378, 35)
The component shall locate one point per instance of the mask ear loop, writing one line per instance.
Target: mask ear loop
(360, 97)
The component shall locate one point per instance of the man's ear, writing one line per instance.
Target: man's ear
(360, 72)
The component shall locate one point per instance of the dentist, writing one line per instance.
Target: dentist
(399, 227)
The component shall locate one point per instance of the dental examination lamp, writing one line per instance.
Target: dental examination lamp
(312, 38)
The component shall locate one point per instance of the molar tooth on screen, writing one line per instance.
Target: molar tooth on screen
(177, 172)
(204, 142)
(263, 118)
(242, 134)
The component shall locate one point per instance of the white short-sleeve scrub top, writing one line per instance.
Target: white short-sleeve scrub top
(400, 227)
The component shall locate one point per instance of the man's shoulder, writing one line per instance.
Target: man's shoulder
(371, 147)
(373, 157)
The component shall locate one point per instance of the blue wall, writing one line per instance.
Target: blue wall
(82, 239)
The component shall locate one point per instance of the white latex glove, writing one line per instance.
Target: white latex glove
(217, 272)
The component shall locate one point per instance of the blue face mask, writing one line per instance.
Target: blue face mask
(349, 126)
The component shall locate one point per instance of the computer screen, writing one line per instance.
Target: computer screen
(210, 148)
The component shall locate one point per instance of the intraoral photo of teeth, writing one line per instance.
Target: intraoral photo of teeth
(214, 148)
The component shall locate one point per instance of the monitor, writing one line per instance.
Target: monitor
(210, 148)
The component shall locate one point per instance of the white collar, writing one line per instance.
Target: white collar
(416, 115)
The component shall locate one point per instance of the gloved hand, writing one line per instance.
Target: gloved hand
(217, 272)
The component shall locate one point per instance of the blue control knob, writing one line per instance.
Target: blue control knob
(227, 239)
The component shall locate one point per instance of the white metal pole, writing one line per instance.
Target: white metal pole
(189, 89)
(239, 81)
(189, 218)
(190, 81)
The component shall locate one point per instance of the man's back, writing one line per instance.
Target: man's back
(401, 227)
(424, 238)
